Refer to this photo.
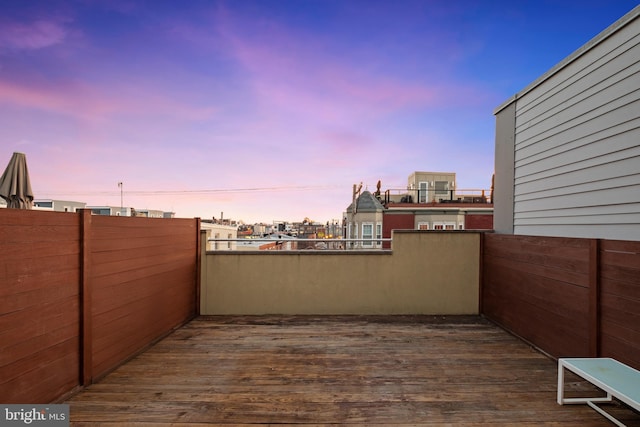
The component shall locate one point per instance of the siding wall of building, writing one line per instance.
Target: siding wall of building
(576, 133)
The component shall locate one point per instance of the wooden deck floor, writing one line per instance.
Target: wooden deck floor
(336, 370)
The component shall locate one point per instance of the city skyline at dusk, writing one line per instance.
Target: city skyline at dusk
(268, 110)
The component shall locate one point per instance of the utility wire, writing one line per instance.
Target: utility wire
(190, 192)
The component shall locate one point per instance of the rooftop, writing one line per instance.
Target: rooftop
(349, 370)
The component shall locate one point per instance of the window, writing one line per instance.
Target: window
(423, 226)
(367, 233)
(217, 236)
(444, 225)
(378, 233)
(422, 192)
(229, 236)
(442, 187)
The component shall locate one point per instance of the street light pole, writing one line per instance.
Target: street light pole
(121, 199)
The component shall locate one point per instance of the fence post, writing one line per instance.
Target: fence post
(86, 338)
(481, 274)
(199, 241)
(594, 297)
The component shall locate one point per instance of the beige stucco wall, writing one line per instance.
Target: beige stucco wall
(425, 273)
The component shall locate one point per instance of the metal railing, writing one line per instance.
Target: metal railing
(436, 195)
(294, 243)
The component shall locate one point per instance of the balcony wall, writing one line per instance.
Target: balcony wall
(424, 273)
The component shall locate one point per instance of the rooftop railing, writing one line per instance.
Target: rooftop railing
(432, 195)
(297, 243)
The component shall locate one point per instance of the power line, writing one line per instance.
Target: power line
(192, 192)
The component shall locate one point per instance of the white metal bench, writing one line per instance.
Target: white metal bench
(614, 378)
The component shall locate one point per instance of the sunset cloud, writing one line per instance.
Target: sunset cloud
(33, 35)
(302, 99)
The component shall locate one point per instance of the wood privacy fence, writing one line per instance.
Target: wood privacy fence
(80, 294)
(569, 297)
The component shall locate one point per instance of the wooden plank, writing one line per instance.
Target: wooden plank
(50, 234)
(616, 344)
(141, 266)
(26, 250)
(12, 217)
(27, 379)
(36, 328)
(316, 370)
(112, 294)
(56, 293)
(166, 247)
(565, 300)
(542, 270)
(148, 241)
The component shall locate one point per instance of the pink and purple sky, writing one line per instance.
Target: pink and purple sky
(268, 109)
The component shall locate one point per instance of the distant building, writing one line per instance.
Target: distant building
(431, 201)
(215, 230)
(110, 210)
(57, 205)
(148, 213)
(364, 220)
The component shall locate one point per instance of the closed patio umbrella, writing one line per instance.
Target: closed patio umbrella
(15, 186)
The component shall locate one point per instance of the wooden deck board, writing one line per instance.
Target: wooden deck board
(398, 370)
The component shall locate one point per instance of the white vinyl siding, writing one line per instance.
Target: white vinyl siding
(577, 144)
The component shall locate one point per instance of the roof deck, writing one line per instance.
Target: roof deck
(348, 370)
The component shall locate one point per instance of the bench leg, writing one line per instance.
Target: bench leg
(605, 414)
(560, 383)
(591, 401)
